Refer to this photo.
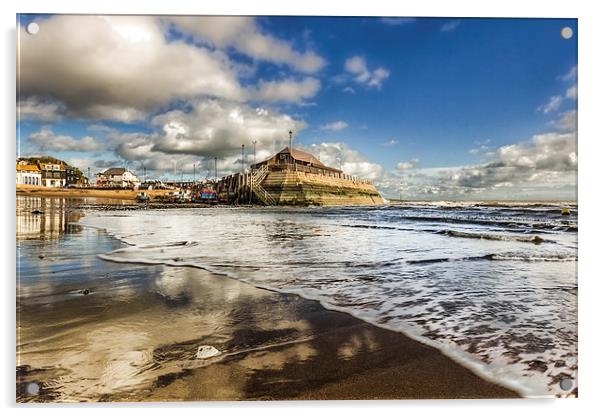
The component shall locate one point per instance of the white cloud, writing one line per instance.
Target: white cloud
(556, 101)
(410, 164)
(571, 75)
(34, 108)
(449, 26)
(358, 68)
(349, 90)
(211, 128)
(482, 147)
(288, 90)
(244, 34)
(46, 139)
(118, 67)
(567, 121)
(553, 104)
(339, 155)
(335, 126)
(80, 163)
(571, 93)
(544, 166)
(390, 143)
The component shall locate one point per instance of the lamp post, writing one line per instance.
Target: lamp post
(194, 172)
(254, 148)
(89, 179)
(242, 159)
(215, 159)
(290, 141)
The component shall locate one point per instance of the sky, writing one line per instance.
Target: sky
(426, 108)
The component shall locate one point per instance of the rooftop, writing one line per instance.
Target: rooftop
(302, 156)
(115, 171)
(27, 168)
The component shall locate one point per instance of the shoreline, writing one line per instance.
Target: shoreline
(119, 194)
(130, 195)
(275, 346)
(386, 365)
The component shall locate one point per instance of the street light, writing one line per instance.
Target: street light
(215, 159)
(242, 159)
(254, 158)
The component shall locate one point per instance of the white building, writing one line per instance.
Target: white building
(117, 177)
(28, 175)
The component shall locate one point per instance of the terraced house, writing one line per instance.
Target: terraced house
(54, 175)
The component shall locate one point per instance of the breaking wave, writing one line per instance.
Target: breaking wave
(500, 303)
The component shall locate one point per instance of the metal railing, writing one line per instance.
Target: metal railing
(257, 176)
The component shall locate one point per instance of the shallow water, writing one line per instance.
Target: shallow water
(139, 326)
(491, 285)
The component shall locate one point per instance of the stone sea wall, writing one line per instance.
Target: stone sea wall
(301, 188)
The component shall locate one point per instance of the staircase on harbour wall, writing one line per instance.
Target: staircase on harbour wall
(257, 176)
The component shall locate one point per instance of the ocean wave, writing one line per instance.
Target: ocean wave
(510, 223)
(535, 239)
(497, 257)
(428, 293)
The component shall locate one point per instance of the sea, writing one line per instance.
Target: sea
(493, 285)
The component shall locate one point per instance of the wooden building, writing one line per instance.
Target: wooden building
(296, 160)
(296, 178)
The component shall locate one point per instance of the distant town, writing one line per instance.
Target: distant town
(50, 172)
(289, 177)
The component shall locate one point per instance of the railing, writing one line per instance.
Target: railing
(257, 177)
(318, 171)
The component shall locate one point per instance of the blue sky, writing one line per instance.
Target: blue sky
(435, 108)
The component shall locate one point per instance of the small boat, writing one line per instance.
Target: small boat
(565, 211)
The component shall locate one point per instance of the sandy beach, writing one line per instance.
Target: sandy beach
(135, 335)
(120, 194)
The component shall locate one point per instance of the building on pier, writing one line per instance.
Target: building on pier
(295, 177)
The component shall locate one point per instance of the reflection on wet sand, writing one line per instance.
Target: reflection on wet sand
(91, 330)
(40, 217)
(137, 326)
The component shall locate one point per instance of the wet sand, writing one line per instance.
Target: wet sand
(135, 335)
(344, 359)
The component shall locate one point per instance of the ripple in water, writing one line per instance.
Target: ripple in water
(493, 286)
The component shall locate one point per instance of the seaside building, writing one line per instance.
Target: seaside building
(297, 160)
(75, 177)
(117, 178)
(53, 174)
(295, 177)
(28, 174)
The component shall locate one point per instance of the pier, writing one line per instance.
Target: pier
(296, 178)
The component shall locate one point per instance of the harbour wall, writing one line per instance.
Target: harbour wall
(303, 188)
